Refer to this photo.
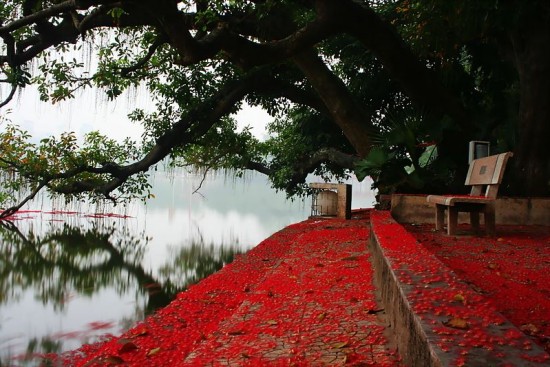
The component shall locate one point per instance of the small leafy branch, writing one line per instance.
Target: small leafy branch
(62, 167)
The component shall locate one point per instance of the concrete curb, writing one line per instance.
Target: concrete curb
(413, 282)
(411, 339)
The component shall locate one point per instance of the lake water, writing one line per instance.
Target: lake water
(69, 276)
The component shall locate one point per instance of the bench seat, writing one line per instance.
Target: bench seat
(485, 176)
(451, 200)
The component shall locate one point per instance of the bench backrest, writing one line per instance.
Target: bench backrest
(487, 172)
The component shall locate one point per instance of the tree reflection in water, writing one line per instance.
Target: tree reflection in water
(71, 261)
(196, 261)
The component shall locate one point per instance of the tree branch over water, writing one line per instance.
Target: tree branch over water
(354, 64)
(188, 129)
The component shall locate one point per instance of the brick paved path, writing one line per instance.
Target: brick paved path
(315, 306)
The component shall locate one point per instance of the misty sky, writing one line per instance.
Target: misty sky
(88, 112)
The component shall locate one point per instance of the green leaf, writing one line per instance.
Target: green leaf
(428, 156)
(373, 163)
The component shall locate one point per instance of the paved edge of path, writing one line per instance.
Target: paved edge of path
(437, 319)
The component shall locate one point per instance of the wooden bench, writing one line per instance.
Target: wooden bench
(485, 176)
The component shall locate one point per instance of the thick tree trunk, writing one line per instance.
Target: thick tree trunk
(531, 168)
(421, 84)
(338, 101)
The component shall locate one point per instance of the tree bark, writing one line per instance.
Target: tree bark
(531, 168)
(338, 101)
(419, 82)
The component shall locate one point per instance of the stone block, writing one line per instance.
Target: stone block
(509, 210)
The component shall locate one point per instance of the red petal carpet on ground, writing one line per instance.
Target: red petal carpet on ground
(303, 297)
(512, 270)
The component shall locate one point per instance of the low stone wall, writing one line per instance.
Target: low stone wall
(414, 284)
(519, 211)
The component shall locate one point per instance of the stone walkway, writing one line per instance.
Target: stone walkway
(303, 297)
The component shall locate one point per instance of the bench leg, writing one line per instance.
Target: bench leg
(439, 217)
(474, 220)
(490, 219)
(452, 220)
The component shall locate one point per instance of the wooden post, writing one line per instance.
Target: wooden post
(439, 217)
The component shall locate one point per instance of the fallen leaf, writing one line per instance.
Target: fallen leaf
(105, 361)
(457, 323)
(350, 258)
(127, 347)
(140, 332)
(235, 332)
(351, 266)
(153, 351)
(477, 289)
(459, 298)
(530, 329)
(92, 362)
(340, 345)
(321, 316)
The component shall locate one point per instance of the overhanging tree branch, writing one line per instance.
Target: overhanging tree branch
(241, 50)
(419, 82)
(10, 211)
(188, 129)
(10, 96)
(68, 30)
(245, 39)
(341, 105)
(308, 164)
(138, 65)
(38, 16)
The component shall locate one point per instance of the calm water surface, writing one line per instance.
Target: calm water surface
(68, 276)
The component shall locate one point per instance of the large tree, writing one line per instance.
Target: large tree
(352, 85)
